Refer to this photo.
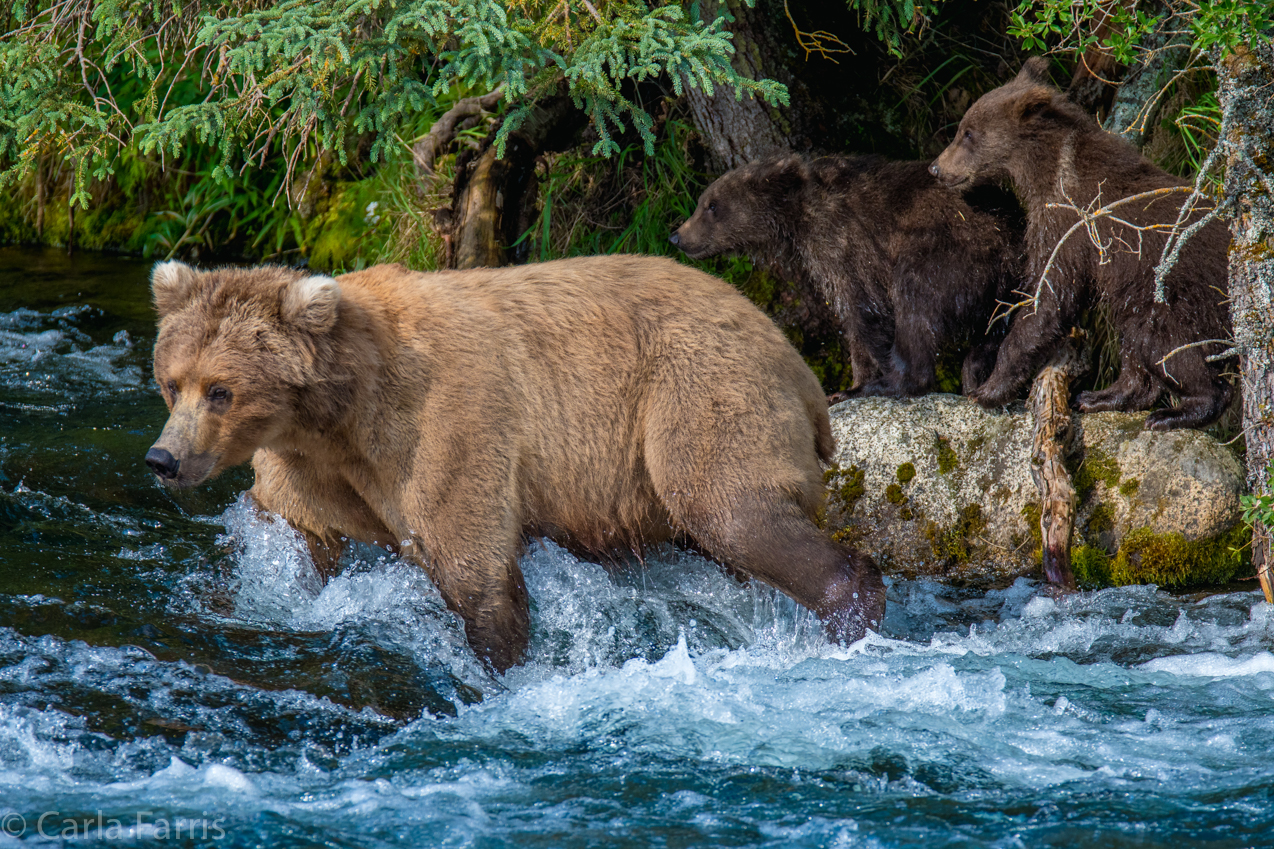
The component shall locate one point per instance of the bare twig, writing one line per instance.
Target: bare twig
(1178, 237)
(820, 41)
(1224, 355)
(426, 150)
(1088, 218)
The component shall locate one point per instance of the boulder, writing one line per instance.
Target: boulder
(940, 486)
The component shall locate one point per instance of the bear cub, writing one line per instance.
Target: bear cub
(1053, 153)
(906, 266)
(608, 402)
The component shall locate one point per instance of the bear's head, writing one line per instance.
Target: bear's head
(1004, 128)
(235, 346)
(744, 210)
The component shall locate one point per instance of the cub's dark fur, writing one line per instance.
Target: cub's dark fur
(907, 266)
(1028, 133)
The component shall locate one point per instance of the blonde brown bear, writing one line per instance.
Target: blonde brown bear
(608, 402)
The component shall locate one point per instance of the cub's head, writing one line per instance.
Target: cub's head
(743, 209)
(1005, 125)
(234, 347)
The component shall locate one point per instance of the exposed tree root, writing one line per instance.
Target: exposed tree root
(1050, 406)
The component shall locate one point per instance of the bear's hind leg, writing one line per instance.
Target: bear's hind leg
(1133, 390)
(778, 544)
(1203, 394)
(979, 363)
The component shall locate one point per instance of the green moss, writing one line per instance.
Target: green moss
(1096, 466)
(893, 494)
(1129, 487)
(1032, 513)
(954, 544)
(1101, 520)
(947, 459)
(906, 472)
(1170, 560)
(905, 514)
(846, 486)
(849, 535)
(1091, 566)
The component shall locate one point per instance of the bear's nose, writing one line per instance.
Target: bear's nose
(162, 463)
(675, 238)
(935, 170)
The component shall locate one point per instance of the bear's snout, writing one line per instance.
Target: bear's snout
(934, 169)
(675, 238)
(162, 463)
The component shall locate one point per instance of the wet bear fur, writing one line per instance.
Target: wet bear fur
(608, 402)
(907, 267)
(1052, 152)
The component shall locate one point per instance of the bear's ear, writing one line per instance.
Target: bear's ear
(1034, 72)
(1036, 100)
(172, 284)
(311, 303)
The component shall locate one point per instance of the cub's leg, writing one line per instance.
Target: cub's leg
(1032, 339)
(979, 363)
(1203, 394)
(1133, 390)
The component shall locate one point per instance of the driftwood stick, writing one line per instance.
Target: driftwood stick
(1263, 564)
(426, 151)
(1050, 406)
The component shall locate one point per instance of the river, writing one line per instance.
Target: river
(173, 673)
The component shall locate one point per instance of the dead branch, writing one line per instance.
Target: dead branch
(1088, 218)
(1212, 358)
(1178, 237)
(1050, 406)
(427, 149)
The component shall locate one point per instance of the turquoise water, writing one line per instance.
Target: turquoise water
(172, 673)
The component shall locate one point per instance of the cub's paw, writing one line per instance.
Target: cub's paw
(1094, 402)
(1165, 419)
(991, 394)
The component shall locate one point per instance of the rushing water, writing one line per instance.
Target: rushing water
(172, 672)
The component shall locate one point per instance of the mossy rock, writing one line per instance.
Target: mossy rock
(921, 466)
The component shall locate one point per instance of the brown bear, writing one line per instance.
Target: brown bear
(907, 266)
(1028, 133)
(608, 402)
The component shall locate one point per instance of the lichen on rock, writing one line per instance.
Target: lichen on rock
(939, 486)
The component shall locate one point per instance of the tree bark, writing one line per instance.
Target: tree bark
(494, 198)
(738, 131)
(1139, 98)
(1246, 95)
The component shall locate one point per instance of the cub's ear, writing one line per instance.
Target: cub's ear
(172, 283)
(1036, 100)
(1034, 72)
(312, 303)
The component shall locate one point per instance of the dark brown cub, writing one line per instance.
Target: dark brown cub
(907, 267)
(1056, 156)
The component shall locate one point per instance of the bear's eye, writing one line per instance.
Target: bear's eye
(171, 386)
(218, 393)
(968, 135)
(712, 206)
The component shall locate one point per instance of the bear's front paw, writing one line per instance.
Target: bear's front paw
(1094, 402)
(991, 394)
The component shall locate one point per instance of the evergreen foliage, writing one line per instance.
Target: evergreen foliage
(253, 78)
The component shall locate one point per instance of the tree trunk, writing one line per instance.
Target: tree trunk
(1246, 95)
(738, 131)
(494, 200)
(834, 99)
